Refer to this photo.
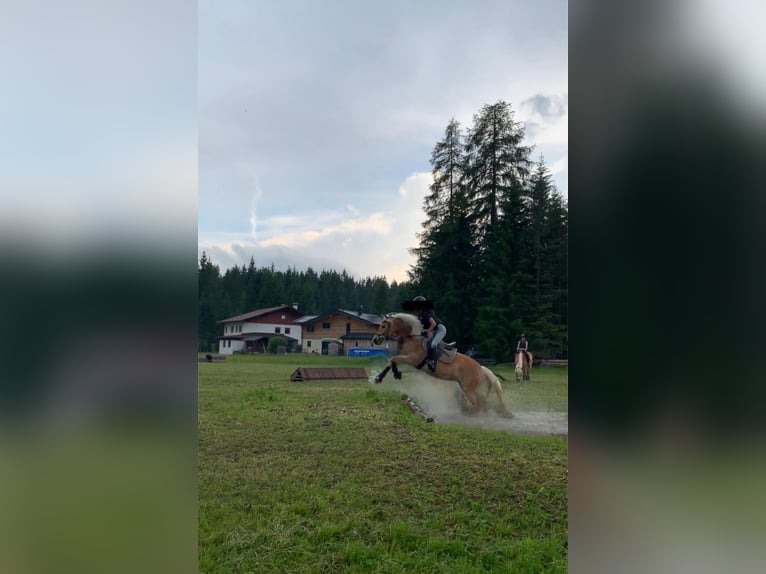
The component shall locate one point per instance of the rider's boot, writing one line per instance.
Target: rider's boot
(432, 359)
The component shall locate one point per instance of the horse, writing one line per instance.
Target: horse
(469, 374)
(522, 366)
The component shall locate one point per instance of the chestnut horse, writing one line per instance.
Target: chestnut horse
(468, 373)
(522, 366)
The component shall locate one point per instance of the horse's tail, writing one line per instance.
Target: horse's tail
(498, 375)
(494, 384)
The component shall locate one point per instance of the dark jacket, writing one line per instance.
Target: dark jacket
(425, 319)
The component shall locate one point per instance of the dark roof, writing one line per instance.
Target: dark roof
(256, 313)
(369, 318)
(255, 336)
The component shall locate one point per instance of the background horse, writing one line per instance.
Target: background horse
(522, 366)
(469, 374)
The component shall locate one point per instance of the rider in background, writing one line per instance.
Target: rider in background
(523, 347)
(432, 325)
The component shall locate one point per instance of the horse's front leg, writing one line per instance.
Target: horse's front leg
(407, 359)
(390, 367)
(384, 372)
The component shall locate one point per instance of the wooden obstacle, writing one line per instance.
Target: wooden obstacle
(553, 363)
(327, 373)
(416, 409)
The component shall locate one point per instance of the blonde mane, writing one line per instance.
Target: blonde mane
(411, 320)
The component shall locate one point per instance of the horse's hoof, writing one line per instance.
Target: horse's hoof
(378, 379)
(397, 376)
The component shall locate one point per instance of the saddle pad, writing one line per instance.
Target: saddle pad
(446, 353)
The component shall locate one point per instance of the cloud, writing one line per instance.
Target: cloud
(352, 101)
(546, 118)
(548, 107)
(365, 245)
(336, 121)
(375, 223)
(559, 166)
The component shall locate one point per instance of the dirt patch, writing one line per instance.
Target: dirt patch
(443, 401)
(537, 423)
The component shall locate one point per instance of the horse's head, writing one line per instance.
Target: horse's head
(385, 330)
(519, 362)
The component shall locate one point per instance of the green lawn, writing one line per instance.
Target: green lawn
(339, 476)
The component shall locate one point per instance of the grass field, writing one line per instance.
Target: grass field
(339, 476)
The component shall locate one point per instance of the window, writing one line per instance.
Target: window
(310, 328)
(287, 330)
(283, 316)
(325, 325)
(308, 344)
(277, 329)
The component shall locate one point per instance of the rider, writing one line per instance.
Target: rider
(523, 347)
(433, 325)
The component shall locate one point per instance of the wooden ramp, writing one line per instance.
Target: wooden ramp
(210, 358)
(327, 373)
(554, 363)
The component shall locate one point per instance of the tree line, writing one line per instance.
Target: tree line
(492, 253)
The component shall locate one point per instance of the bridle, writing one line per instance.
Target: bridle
(380, 337)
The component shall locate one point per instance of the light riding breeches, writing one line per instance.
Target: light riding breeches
(438, 335)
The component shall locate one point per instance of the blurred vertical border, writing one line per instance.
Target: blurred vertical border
(667, 201)
(98, 285)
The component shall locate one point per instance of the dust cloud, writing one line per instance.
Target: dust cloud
(444, 401)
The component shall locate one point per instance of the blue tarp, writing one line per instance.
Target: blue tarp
(366, 352)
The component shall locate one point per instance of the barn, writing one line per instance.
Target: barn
(338, 331)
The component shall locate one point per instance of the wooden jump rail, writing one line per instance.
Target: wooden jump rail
(327, 373)
(211, 358)
(416, 409)
(553, 363)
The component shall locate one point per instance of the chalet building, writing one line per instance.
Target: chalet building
(252, 331)
(336, 332)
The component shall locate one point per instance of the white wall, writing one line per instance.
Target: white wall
(224, 349)
(296, 332)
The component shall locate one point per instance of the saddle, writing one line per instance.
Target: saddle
(445, 351)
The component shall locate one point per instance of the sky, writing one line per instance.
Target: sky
(317, 119)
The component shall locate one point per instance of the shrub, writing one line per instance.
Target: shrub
(275, 343)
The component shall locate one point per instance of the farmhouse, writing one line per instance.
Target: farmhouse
(252, 331)
(336, 332)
